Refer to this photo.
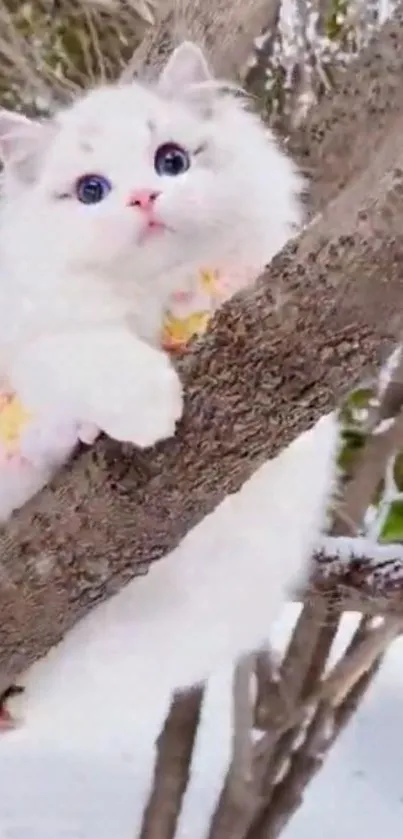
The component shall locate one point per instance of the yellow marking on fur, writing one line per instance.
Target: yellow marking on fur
(177, 332)
(13, 420)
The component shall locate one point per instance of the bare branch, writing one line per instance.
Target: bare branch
(345, 674)
(338, 317)
(274, 702)
(336, 700)
(271, 752)
(339, 123)
(225, 31)
(254, 73)
(171, 772)
(287, 793)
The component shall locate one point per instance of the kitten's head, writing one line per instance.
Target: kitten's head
(136, 179)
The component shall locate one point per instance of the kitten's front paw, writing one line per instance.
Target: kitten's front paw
(158, 406)
(145, 405)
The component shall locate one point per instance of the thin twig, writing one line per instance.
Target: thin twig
(303, 646)
(274, 759)
(346, 672)
(287, 794)
(274, 702)
(238, 798)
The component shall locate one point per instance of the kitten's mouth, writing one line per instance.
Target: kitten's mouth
(152, 228)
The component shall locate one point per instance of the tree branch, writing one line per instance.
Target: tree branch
(259, 378)
(224, 30)
(107, 511)
(373, 81)
(172, 768)
(240, 771)
(318, 723)
(356, 575)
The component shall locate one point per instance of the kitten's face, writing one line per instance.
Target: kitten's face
(133, 177)
(143, 180)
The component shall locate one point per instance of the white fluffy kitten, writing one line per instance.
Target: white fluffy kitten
(84, 285)
(109, 208)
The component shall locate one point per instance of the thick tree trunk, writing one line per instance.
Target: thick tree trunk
(272, 363)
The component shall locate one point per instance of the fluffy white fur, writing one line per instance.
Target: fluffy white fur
(82, 299)
(79, 284)
(200, 607)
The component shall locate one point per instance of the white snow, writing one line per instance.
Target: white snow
(65, 790)
(79, 768)
(345, 547)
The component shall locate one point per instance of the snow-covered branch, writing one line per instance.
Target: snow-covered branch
(359, 575)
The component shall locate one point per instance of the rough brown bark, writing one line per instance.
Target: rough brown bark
(175, 746)
(262, 375)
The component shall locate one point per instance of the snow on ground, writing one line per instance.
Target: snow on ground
(57, 792)
(80, 766)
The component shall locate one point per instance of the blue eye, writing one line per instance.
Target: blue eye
(171, 159)
(91, 189)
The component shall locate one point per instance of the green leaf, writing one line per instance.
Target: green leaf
(361, 397)
(335, 20)
(392, 530)
(351, 443)
(357, 401)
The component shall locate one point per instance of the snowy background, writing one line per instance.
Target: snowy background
(88, 778)
(91, 784)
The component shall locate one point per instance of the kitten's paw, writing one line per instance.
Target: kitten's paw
(153, 413)
(145, 405)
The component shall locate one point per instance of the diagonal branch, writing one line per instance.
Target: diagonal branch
(260, 377)
(296, 363)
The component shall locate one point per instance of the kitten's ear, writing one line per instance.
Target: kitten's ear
(20, 141)
(185, 67)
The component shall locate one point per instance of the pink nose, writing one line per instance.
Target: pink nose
(143, 199)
